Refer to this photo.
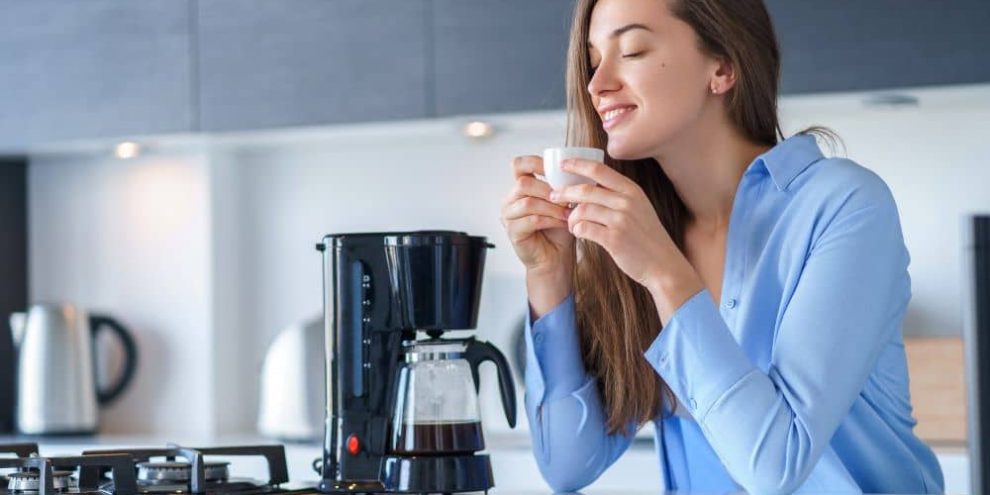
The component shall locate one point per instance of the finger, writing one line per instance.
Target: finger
(594, 213)
(527, 186)
(527, 165)
(529, 205)
(600, 173)
(591, 231)
(590, 193)
(531, 186)
(521, 228)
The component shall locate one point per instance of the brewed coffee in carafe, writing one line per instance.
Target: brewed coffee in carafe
(436, 404)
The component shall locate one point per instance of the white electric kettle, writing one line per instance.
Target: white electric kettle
(292, 397)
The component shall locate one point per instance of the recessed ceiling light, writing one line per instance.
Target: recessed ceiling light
(478, 129)
(126, 150)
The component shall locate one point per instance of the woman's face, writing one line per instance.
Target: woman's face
(650, 80)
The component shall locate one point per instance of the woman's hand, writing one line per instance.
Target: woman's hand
(617, 215)
(537, 227)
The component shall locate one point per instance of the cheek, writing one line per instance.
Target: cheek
(669, 101)
(671, 97)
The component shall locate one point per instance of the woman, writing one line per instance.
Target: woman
(744, 294)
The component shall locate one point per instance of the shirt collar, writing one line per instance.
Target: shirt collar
(788, 159)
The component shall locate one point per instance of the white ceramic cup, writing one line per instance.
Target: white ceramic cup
(556, 177)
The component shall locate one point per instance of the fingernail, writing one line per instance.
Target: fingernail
(567, 213)
(565, 164)
(554, 195)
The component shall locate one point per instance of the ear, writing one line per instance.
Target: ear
(724, 77)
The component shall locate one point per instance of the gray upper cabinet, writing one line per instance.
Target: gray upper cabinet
(847, 45)
(309, 62)
(93, 69)
(115, 68)
(498, 56)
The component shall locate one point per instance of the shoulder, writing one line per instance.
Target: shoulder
(837, 198)
(835, 185)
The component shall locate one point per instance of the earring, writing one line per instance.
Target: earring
(714, 90)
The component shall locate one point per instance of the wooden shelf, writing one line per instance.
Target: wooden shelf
(938, 388)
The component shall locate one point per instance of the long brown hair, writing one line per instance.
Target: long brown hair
(616, 316)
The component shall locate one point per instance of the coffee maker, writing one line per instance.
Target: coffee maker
(402, 413)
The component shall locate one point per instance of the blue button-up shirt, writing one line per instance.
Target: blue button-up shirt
(796, 380)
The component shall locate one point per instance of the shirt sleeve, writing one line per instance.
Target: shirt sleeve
(770, 428)
(566, 421)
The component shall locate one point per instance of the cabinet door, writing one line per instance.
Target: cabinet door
(845, 45)
(92, 69)
(308, 62)
(499, 56)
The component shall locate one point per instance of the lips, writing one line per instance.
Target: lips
(614, 114)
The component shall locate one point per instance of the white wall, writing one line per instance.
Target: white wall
(936, 160)
(130, 239)
(405, 176)
(215, 248)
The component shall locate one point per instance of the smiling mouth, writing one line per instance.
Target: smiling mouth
(612, 116)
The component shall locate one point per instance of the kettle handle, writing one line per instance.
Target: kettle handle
(479, 352)
(99, 322)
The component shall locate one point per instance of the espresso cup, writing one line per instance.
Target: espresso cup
(556, 177)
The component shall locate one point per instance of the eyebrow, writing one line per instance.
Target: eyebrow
(624, 29)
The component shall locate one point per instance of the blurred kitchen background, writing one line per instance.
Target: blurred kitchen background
(174, 163)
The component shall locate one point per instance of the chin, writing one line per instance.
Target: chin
(621, 149)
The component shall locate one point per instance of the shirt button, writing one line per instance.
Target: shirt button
(538, 339)
(663, 358)
(694, 405)
(731, 303)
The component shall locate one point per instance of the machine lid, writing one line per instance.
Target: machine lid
(412, 238)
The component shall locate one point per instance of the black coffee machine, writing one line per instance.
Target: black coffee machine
(402, 411)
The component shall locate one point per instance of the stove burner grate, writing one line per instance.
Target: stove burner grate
(171, 472)
(30, 481)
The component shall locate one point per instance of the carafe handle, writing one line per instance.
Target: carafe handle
(479, 352)
(96, 323)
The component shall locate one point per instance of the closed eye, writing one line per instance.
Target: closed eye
(591, 70)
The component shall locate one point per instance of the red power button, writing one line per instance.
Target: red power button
(353, 444)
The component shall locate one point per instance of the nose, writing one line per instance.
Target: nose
(603, 80)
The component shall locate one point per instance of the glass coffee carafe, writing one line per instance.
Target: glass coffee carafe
(436, 408)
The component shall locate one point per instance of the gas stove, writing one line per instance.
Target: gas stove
(173, 470)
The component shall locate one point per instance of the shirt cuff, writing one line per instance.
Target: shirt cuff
(553, 350)
(697, 356)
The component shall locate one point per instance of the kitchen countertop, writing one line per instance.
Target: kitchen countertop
(512, 461)
(493, 441)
